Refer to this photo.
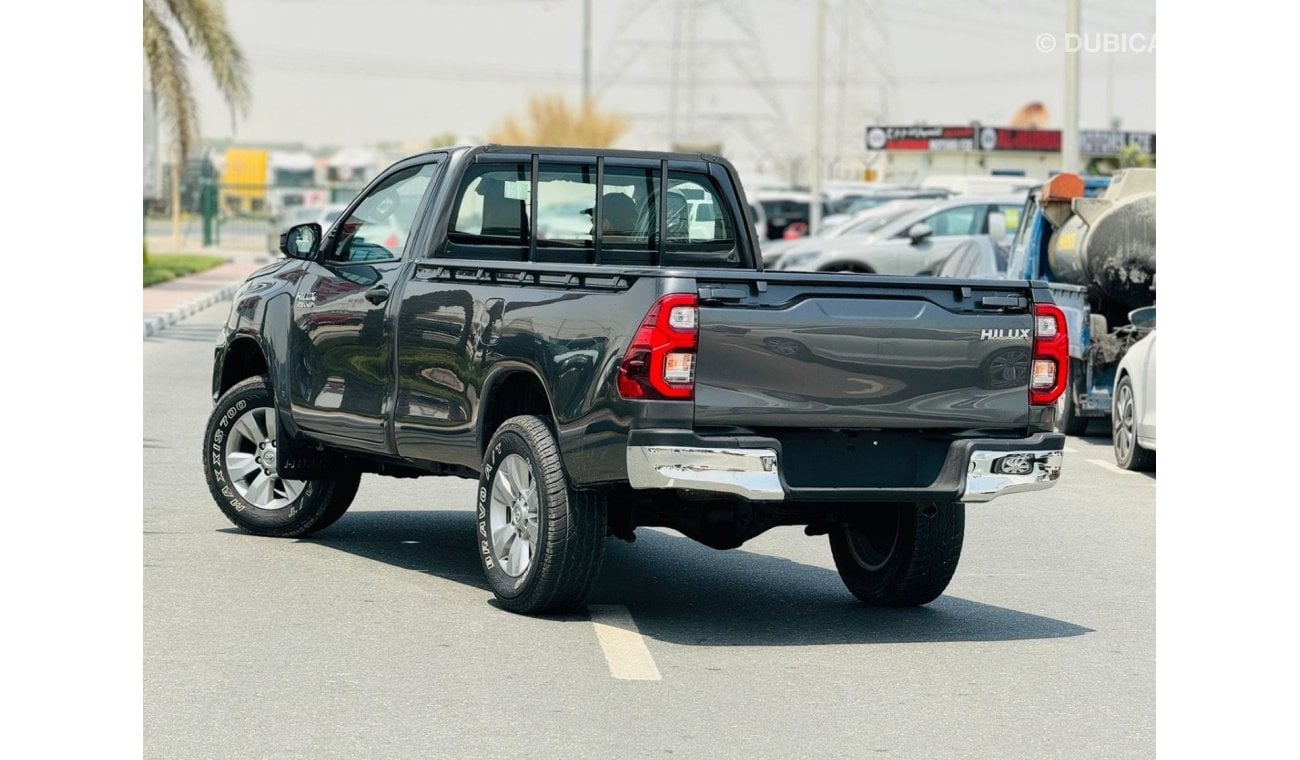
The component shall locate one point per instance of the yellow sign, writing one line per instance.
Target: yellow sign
(244, 180)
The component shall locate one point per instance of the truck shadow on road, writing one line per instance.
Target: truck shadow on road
(686, 593)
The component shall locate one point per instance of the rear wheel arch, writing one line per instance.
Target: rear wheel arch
(509, 394)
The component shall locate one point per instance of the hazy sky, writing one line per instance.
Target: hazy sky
(338, 72)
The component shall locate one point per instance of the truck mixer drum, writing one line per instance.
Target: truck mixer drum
(1109, 244)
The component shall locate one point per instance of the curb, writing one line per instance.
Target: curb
(159, 322)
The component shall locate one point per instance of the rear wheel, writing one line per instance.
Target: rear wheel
(900, 555)
(540, 541)
(1129, 454)
(240, 460)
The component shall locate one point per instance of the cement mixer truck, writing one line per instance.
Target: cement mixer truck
(1093, 240)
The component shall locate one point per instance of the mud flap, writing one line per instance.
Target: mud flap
(300, 460)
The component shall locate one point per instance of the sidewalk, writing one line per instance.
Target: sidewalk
(169, 302)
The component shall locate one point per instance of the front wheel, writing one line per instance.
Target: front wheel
(240, 448)
(540, 540)
(899, 555)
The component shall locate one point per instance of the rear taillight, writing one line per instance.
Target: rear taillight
(660, 363)
(1051, 356)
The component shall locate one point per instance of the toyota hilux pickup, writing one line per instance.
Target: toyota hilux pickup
(552, 323)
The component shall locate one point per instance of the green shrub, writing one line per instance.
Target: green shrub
(163, 267)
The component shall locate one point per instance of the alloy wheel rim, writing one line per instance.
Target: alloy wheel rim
(513, 515)
(1123, 427)
(253, 465)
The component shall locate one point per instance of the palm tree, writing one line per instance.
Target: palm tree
(203, 24)
(552, 121)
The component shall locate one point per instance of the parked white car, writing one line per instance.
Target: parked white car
(1133, 411)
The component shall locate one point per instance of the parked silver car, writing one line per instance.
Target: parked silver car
(863, 223)
(913, 243)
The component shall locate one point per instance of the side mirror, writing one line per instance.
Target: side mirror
(302, 241)
(1143, 318)
(919, 231)
(997, 227)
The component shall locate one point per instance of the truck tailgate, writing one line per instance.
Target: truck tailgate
(795, 350)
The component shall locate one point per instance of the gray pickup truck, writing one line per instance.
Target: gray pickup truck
(554, 323)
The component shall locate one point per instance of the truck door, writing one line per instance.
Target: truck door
(341, 373)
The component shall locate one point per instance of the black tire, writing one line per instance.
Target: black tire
(900, 555)
(1129, 454)
(1068, 419)
(566, 536)
(319, 503)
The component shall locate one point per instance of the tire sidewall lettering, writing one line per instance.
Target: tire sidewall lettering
(507, 441)
(221, 483)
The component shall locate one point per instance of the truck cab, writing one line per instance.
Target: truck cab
(1092, 239)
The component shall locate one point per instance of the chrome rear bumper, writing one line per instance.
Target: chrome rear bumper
(755, 473)
(750, 473)
(994, 473)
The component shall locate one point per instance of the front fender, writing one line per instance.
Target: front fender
(262, 312)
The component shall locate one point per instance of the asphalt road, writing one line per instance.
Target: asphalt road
(377, 637)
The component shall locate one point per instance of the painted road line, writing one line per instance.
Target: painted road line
(624, 648)
(1102, 463)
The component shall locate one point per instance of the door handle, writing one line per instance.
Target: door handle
(378, 295)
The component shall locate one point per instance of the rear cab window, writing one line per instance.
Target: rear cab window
(592, 209)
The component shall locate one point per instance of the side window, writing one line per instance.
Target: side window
(629, 205)
(493, 205)
(566, 206)
(700, 231)
(1010, 214)
(690, 212)
(378, 228)
(962, 220)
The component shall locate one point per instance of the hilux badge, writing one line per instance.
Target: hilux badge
(1005, 334)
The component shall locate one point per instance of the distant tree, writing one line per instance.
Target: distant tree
(442, 140)
(1131, 156)
(203, 24)
(552, 121)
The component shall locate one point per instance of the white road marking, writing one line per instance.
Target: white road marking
(1102, 463)
(624, 649)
